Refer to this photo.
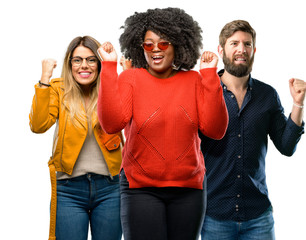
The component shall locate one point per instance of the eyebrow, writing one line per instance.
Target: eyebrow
(151, 40)
(82, 57)
(159, 40)
(235, 41)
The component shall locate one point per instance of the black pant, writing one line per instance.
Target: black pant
(166, 213)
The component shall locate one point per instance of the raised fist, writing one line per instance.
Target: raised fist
(47, 69)
(107, 52)
(208, 60)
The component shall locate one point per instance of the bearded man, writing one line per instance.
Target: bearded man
(238, 206)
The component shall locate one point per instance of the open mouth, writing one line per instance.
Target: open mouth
(85, 74)
(157, 59)
(240, 59)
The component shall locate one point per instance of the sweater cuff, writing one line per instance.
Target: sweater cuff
(208, 71)
(209, 76)
(111, 65)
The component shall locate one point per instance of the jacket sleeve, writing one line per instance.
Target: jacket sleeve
(115, 98)
(212, 111)
(44, 110)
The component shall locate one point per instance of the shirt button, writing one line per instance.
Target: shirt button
(232, 96)
(239, 156)
(239, 135)
(238, 195)
(224, 87)
(238, 176)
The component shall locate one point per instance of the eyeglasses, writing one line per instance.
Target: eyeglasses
(150, 46)
(77, 61)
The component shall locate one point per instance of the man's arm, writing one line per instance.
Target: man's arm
(297, 89)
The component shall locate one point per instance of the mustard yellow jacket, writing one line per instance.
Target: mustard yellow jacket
(69, 137)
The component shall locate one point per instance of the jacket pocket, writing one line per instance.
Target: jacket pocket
(113, 143)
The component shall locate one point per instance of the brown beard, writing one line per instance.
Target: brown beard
(240, 70)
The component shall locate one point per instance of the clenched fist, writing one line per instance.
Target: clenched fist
(125, 63)
(297, 90)
(107, 52)
(47, 69)
(208, 60)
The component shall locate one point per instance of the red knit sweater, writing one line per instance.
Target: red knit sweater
(161, 118)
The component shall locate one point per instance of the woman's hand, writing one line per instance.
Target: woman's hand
(125, 63)
(48, 66)
(107, 52)
(208, 60)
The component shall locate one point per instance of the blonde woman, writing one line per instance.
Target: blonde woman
(85, 158)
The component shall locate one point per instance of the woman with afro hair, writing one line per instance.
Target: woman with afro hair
(161, 104)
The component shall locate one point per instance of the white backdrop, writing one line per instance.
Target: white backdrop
(33, 30)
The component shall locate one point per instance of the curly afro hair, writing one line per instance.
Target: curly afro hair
(172, 24)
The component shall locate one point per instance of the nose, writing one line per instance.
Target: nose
(241, 48)
(155, 48)
(84, 63)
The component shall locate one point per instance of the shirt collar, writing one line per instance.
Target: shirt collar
(250, 81)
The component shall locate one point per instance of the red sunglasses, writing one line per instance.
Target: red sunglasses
(150, 46)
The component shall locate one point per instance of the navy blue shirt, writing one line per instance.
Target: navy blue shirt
(236, 178)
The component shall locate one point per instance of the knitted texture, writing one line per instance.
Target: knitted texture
(161, 118)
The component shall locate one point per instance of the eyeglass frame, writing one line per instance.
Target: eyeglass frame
(77, 65)
(156, 44)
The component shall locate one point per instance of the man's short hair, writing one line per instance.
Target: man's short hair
(230, 28)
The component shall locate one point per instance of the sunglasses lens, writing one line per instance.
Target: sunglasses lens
(163, 45)
(148, 46)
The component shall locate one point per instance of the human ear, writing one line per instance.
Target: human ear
(220, 51)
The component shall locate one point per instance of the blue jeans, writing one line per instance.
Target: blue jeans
(261, 228)
(90, 198)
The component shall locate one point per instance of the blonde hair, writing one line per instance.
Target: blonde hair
(73, 95)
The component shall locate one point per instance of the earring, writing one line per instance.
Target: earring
(174, 67)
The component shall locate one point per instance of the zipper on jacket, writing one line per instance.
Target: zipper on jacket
(63, 142)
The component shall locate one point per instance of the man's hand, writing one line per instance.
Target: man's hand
(297, 90)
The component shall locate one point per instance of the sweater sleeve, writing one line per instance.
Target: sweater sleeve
(44, 110)
(115, 98)
(212, 111)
